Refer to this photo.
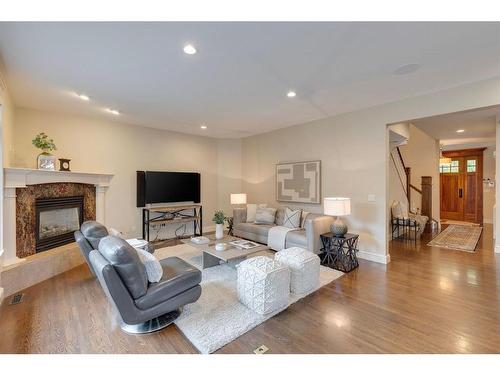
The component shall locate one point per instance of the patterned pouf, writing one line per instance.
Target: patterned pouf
(263, 284)
(304, 267)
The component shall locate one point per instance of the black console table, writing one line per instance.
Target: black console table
(339, 252)
(173, 215)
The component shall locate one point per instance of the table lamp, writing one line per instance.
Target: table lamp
(337, 207)
(239, 198)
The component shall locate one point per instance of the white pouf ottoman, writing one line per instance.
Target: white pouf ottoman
(304, 267)
(263, 284)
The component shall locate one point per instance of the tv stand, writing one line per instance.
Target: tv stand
(177, 214)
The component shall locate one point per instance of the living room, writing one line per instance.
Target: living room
(266, 128)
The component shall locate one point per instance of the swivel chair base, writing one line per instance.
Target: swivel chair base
(152, 325)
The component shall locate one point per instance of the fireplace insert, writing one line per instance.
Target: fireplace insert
(56, 221)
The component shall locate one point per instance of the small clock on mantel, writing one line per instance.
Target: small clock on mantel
(64, 165)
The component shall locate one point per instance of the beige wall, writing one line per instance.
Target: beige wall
(121, 149)
(421, 154)
(228, 172)
(354, 152)
(488, 192)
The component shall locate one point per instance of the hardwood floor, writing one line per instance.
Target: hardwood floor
(427, 300)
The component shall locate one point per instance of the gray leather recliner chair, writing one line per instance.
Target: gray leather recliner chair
(88, 237)
(143, 307)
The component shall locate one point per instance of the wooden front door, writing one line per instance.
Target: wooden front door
(462, 186)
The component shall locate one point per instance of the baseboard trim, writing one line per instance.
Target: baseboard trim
(378, 258)
(487, 221)
(1, 296)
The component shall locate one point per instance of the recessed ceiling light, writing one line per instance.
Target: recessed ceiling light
(203, 126)
(291, 94)
(113, 111)
(460, 130)
(407, 69)
(83, 97)
(189, 49)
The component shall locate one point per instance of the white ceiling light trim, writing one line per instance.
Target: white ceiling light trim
(113, 111)
(460, 130)
(203, 127)
(189, 49)
(291, 94)
(83, 97)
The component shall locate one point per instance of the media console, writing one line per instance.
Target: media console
(176, 214)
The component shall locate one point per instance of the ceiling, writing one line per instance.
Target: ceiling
(479, 126)
(237, 82)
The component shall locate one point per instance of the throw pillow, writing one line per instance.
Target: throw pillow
(265, 215)
(252, 211)
(292, 218)
(153, 266)
(115, 232)
(303, 218)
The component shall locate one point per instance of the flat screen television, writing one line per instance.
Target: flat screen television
(167, 187)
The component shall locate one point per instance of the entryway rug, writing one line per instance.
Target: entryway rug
(457, 222)
(458, 237)
(218, 318)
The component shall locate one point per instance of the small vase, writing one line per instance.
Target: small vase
(219, 231)
(46, 161)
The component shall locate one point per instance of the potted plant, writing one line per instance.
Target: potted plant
(219, 219)
(45, 159)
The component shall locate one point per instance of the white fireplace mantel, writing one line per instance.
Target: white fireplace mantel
(21, 177)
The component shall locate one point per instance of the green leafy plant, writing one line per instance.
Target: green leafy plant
(219, 217)
(43, 142)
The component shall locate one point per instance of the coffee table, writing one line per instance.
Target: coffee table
(212, 257)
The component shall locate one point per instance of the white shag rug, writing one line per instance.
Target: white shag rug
(218, 318)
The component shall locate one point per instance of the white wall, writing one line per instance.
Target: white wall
(421, 154)
(353, 148)
(121, 149)
(6, 131)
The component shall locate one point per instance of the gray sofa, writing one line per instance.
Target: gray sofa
(307, 237)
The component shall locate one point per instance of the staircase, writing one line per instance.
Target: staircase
(419, 198)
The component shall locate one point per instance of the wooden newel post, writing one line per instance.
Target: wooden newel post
(408, 183)
(427, 201)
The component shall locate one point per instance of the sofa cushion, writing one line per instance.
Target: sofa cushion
(259, 229)
(296, 238)
(252, 211)
(178, 276)
(280, 216)
(127, 264)
(292, 218)
(265, 215)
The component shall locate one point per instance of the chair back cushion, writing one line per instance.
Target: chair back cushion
(397, 210)
(127, 264)
(93, 232)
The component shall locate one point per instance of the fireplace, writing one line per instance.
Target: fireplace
(56, 221)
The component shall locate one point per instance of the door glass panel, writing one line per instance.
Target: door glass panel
(471, 165)
(454, 166)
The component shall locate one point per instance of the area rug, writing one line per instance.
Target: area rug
(457, 222)
(218, 318)
(458, 237)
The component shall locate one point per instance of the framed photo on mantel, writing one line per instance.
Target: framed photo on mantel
(299, 182)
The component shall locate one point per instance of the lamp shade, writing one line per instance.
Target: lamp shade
(337, 206)
(238, 198)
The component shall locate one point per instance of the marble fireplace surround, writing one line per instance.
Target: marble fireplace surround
(21, 178)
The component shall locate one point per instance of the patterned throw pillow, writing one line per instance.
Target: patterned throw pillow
(292, 218)
(303, 218)
(153, 267)
(265, 215)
